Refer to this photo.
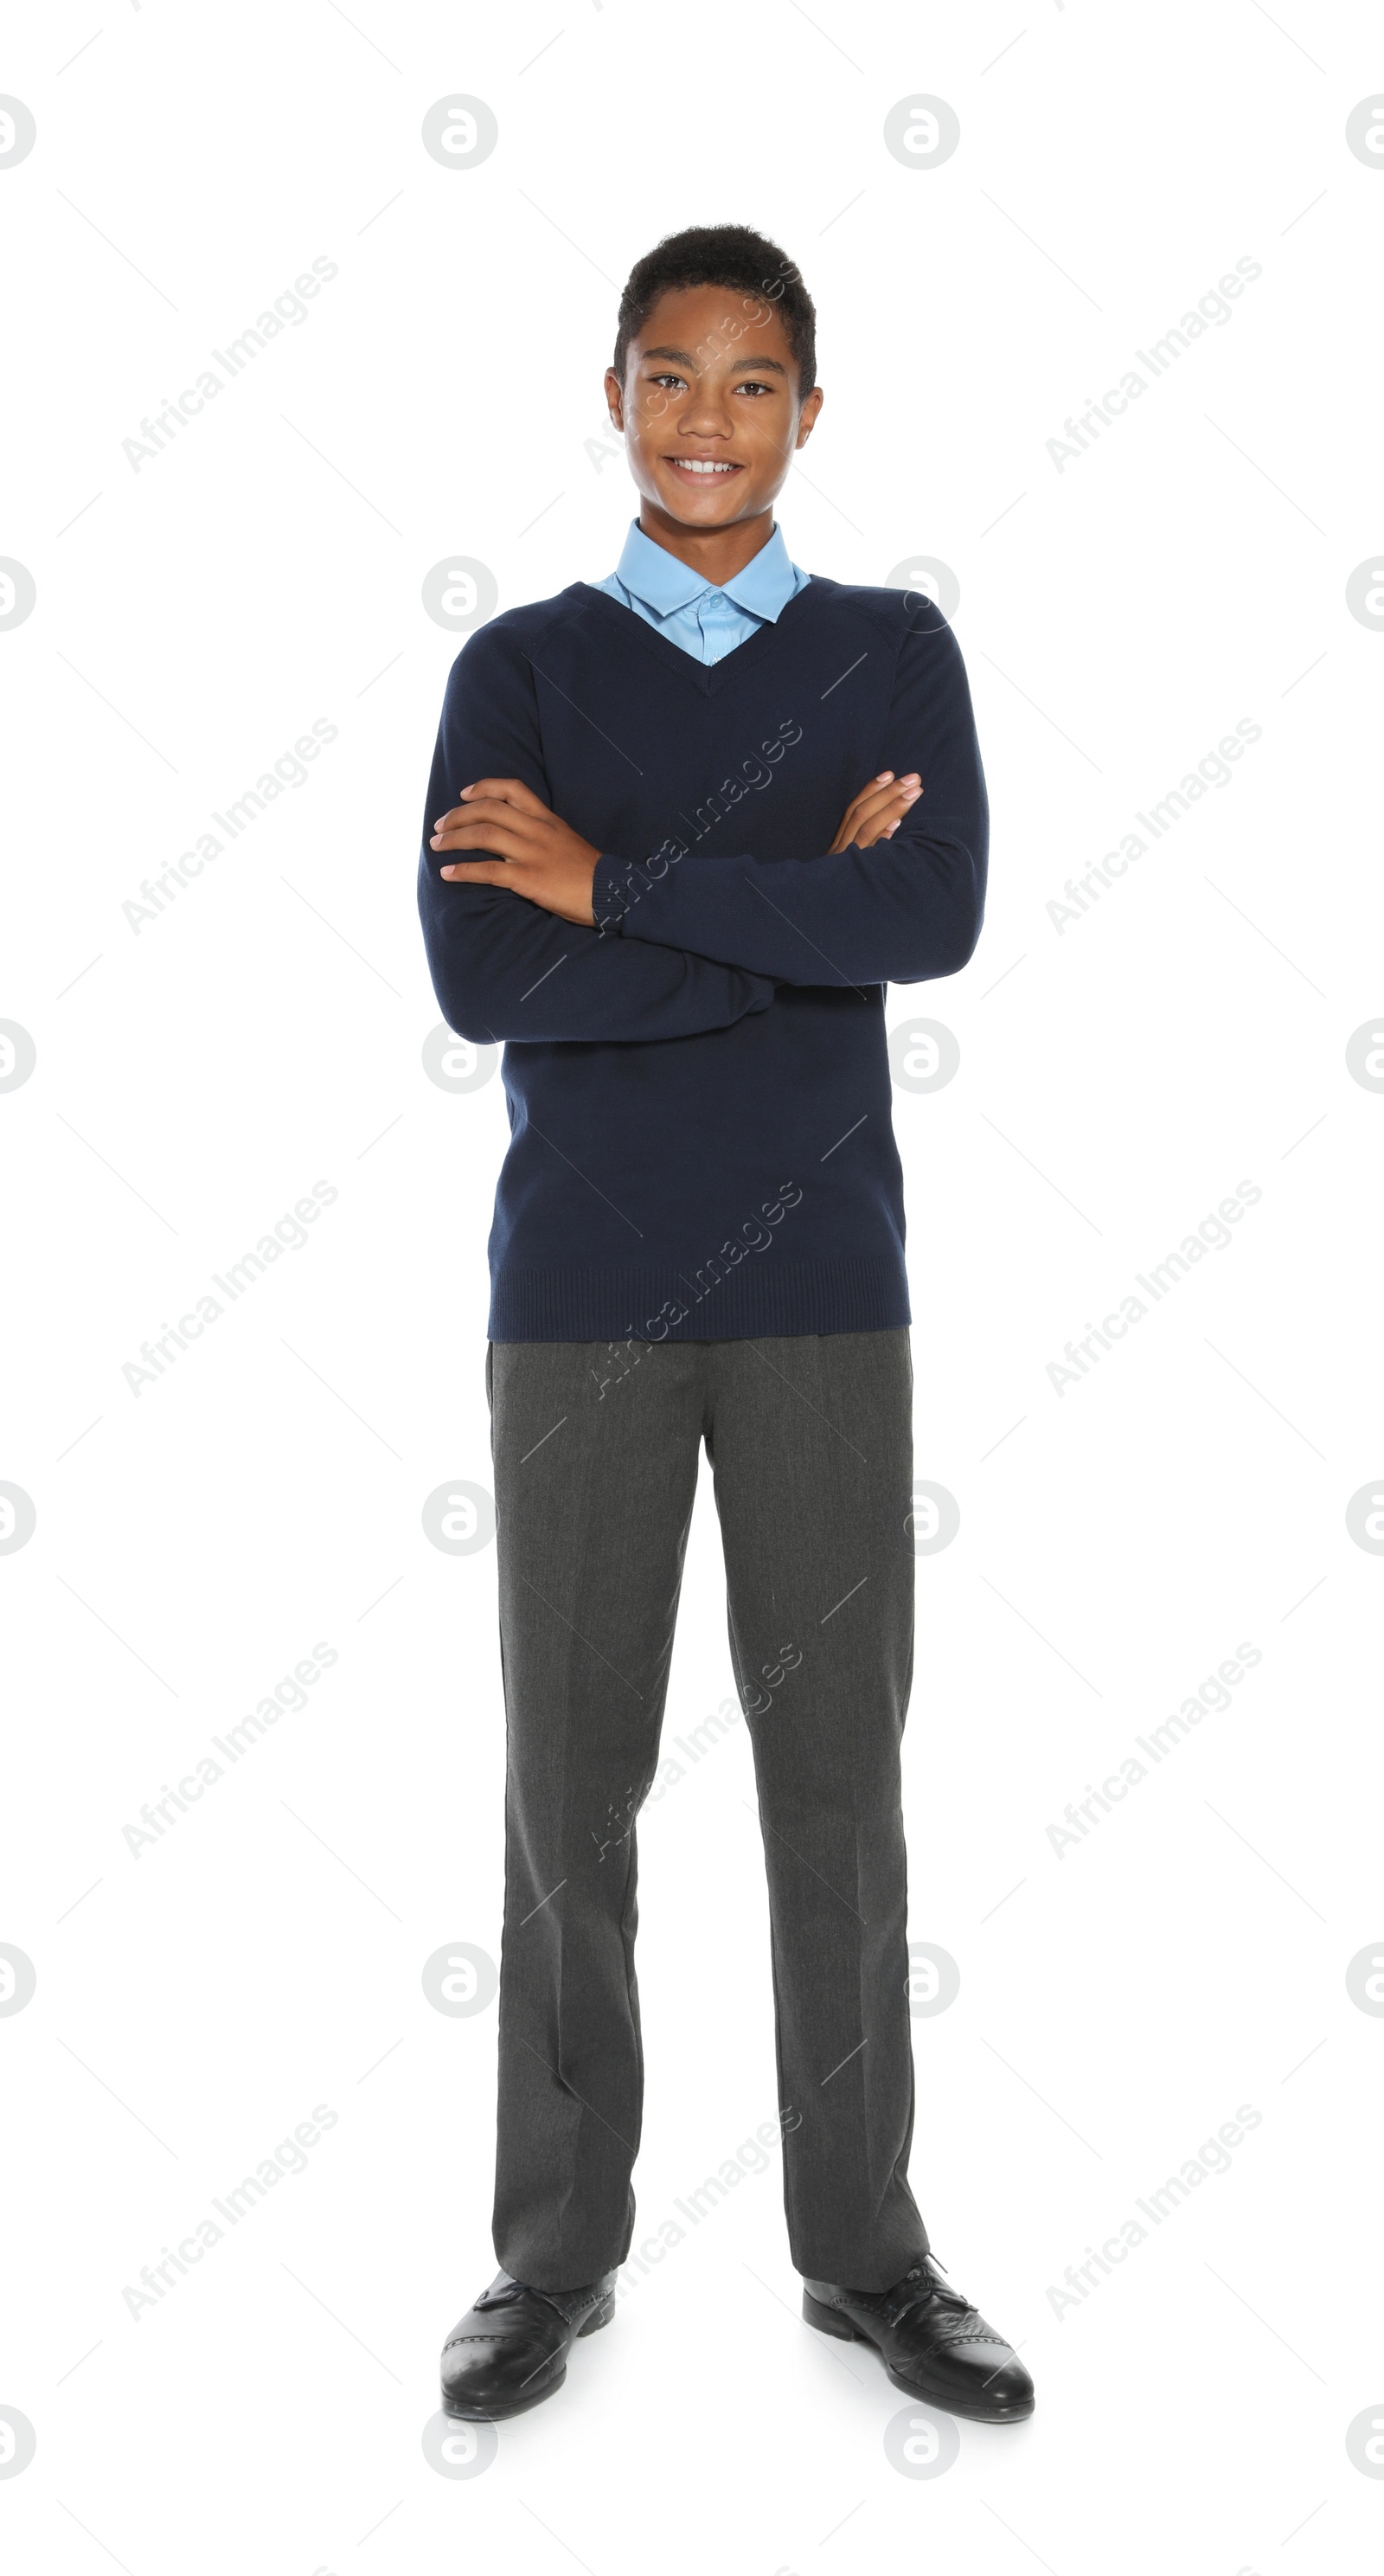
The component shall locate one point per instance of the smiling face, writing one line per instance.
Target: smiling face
(710, 411)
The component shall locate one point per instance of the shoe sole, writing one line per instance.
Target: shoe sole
(827, 2321)
(504, 2407)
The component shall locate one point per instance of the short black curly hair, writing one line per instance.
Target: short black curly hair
(728, 255)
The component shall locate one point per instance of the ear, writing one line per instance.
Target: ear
(615, 398)
(808, 415)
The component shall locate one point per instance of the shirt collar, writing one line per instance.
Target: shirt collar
(764, 587)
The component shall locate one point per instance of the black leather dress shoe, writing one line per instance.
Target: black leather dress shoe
(510, 2350)
(932, 2342)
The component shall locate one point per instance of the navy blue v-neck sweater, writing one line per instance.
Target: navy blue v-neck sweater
(698, 1087)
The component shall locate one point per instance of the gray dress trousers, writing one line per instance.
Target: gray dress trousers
(596, 1450)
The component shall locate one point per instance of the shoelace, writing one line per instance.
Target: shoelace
(930, 2287)
(513, 2291)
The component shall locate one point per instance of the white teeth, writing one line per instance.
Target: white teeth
(699, 465)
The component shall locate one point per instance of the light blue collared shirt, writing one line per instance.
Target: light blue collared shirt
(705, 619)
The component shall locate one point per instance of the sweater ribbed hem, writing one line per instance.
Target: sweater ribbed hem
(759, 1296)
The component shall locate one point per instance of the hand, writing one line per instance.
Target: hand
(876, 813)
(531, 850)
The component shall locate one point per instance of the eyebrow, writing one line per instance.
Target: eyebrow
(685, 359)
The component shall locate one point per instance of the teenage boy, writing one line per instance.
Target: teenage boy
(652, 870)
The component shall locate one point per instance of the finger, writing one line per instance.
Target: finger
(512, 791)
(870, 788)
(883, 826)
(494, 808)
(852, 819)
(886, 778)
(880, 832)
(479, 872)
(881, 793)
(886, 798)
(879, 806)
(507, 839)
(881, 797)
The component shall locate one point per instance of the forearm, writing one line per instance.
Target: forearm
(502, 969)
(899, 913)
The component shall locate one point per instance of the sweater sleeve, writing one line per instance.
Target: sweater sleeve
(897, 913)
(502, 968)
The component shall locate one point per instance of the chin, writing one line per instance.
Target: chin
(712, 510)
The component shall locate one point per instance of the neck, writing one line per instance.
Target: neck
(718, 554)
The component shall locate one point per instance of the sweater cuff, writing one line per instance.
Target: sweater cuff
(610, 900)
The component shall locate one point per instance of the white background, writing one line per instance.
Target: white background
(195, 1076)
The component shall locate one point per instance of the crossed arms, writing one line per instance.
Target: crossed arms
(546, 938)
